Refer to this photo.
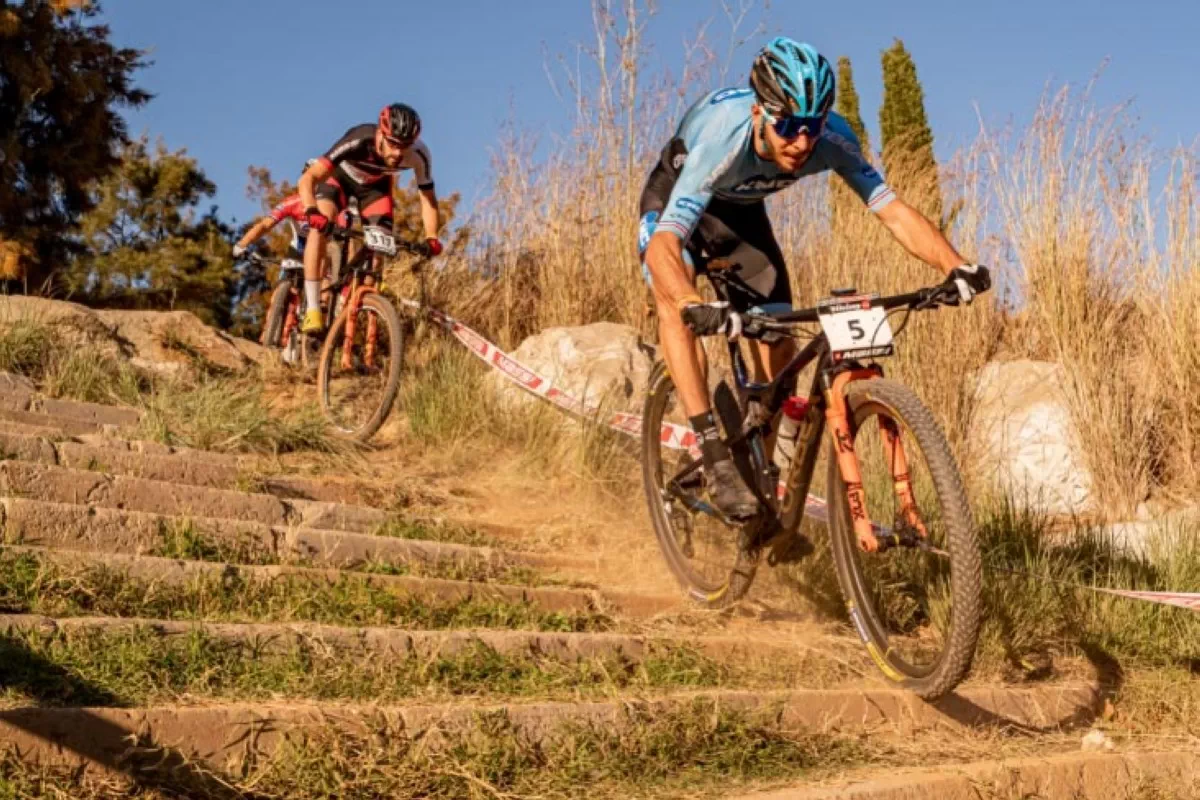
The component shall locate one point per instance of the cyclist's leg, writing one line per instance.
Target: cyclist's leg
(685, 359)
(741, 235)
(330, 199)
(682, 350)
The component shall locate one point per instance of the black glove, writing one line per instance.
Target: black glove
(709, 319)
(968, 281)
(316, 220)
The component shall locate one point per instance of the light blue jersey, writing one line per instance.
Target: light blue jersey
(721, 162)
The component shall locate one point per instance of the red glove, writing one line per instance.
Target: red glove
(433, 247)
(316, 220)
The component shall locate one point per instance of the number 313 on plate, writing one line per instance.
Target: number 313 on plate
(855, 328)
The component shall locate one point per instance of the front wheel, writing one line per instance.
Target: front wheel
(359, 375)
(917, 607)
(711, 560)
(277, 313)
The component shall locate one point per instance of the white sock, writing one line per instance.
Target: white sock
(312, 293)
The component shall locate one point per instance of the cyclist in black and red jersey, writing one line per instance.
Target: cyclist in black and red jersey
(361, 164)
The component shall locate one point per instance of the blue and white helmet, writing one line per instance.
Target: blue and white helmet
(791, 78)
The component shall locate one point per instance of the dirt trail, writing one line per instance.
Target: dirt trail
(99, 527)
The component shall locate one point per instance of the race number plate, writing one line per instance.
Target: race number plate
(379, 240)
(855, 328)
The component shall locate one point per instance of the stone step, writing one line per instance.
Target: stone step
(365, 641)
(546, 598)
(1072, 776)
(111, 530)
(46, 482)
(69, 411)
(216, 733)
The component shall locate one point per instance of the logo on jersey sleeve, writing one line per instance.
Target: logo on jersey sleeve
(688, 209)
(729, 94)
(646, 229)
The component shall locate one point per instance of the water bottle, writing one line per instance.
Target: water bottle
(795, 409)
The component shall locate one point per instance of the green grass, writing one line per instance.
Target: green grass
(139, 666)
(61, 369)
(1039, 606)
(28, 585)
(206, 407)
(698, 750)
(180, 539)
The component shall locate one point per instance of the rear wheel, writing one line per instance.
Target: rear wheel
(917, 610)
(707, 557)
(357, 380)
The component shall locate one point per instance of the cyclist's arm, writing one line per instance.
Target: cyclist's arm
(257, 231)
(422, 164)
(673, 279)
(910, 228)
(313, 177)
(430, 218)
(919, 236)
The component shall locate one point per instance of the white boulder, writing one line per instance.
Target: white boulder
(1026, 440)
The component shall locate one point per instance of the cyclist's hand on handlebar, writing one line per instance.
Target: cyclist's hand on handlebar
(239, 251)
(316, 220)
(432, 247)
(966, 282)
(709, 319)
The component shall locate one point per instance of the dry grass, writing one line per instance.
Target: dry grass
(1094, 268)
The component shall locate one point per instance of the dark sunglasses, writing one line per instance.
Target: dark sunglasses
(403, 144)
(791, 127)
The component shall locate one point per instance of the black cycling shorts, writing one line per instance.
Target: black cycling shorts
(738, 234)
(374, 199)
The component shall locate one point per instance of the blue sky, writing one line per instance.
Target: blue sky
(272, 83)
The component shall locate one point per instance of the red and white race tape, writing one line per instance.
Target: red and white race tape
(677, 437)
(1186, 600)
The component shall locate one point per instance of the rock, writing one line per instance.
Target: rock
(169, 340)
(597, 364)
(161, 341)
(1026, 439)
(1151, 538)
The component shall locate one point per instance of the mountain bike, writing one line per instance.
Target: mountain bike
(358, 369)
(904, 546)
(281, 329)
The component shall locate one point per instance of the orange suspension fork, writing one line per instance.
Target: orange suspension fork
(290, 317)
(837, 418)
(901, 479)
(352, 328)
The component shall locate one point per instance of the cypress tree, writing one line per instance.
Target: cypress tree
(907, 144)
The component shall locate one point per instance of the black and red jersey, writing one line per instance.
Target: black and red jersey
(355, 158)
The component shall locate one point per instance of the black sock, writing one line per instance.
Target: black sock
(711, 445)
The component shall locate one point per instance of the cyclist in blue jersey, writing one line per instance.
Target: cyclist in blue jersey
(703, 207)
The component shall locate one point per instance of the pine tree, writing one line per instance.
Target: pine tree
(146, 246)
(61, 84)
(908, 160)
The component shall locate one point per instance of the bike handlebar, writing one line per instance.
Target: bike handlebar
(338, 232)
(928, 297)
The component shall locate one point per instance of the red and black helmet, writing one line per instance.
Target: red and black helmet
(400, 122)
